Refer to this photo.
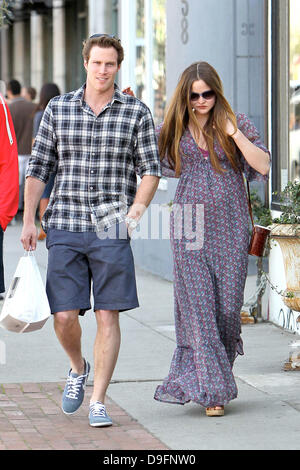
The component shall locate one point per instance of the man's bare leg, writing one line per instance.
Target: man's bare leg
(106, 351)
(68, 331)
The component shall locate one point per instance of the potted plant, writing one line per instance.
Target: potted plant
(286, 231)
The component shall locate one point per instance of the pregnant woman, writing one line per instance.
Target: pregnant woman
(209, 148)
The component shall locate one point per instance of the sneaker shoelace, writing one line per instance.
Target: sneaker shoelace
(74, 385)
(98, 409)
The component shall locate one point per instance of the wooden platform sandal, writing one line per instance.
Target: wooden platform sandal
(215, 411)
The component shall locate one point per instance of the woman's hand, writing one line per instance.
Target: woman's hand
(128, 91)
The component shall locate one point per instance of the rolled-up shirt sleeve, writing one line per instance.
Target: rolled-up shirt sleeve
(249, 130)
(146, 150)
(43, 158)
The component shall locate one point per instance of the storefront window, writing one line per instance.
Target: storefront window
(294, 122)
(140, 73)
(115, 17)
(159, 58)
(140, 18)
(150, 40)
(285, 94)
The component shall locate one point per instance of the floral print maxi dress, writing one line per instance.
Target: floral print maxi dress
(209, 282)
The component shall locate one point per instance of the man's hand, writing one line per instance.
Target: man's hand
(29, 236)
(144, 196)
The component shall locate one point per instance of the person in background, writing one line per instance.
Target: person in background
(29, 93)
(9, 178)
(48, 91)
(22, 115)
(209, 148)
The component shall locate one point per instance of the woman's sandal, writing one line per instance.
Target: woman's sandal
(215, 411)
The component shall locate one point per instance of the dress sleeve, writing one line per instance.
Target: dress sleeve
(250, 131)
(166, 169)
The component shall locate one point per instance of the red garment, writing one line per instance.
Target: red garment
(9, 168)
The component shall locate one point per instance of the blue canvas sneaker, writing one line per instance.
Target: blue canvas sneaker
(74, 390)
(98, 416)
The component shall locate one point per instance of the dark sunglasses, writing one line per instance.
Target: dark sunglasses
(106, 35)
(206, 95)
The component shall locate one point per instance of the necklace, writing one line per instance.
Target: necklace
(201, 142)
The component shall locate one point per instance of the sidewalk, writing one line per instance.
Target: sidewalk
(31, 418)
(265, 415)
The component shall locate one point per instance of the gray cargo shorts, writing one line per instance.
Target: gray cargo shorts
(78, 261)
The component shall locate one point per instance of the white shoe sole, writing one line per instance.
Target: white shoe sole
(100, 425)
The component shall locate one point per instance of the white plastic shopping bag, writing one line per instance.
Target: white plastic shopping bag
(26, 306)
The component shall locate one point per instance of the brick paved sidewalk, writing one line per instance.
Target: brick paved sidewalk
(31, 418)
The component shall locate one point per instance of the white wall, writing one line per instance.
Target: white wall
(229, 34)
(200, 30)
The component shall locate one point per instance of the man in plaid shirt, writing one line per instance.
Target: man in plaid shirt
(96, 139)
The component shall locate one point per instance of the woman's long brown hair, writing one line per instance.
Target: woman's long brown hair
(180, 113)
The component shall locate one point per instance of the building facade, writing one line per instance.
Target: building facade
(253, 44)
(255, 47)
(284, 136)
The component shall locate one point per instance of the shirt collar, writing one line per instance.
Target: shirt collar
(17, 98)
(118, 95)
(78, 94)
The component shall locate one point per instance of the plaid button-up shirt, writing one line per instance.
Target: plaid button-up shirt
(96, 159)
